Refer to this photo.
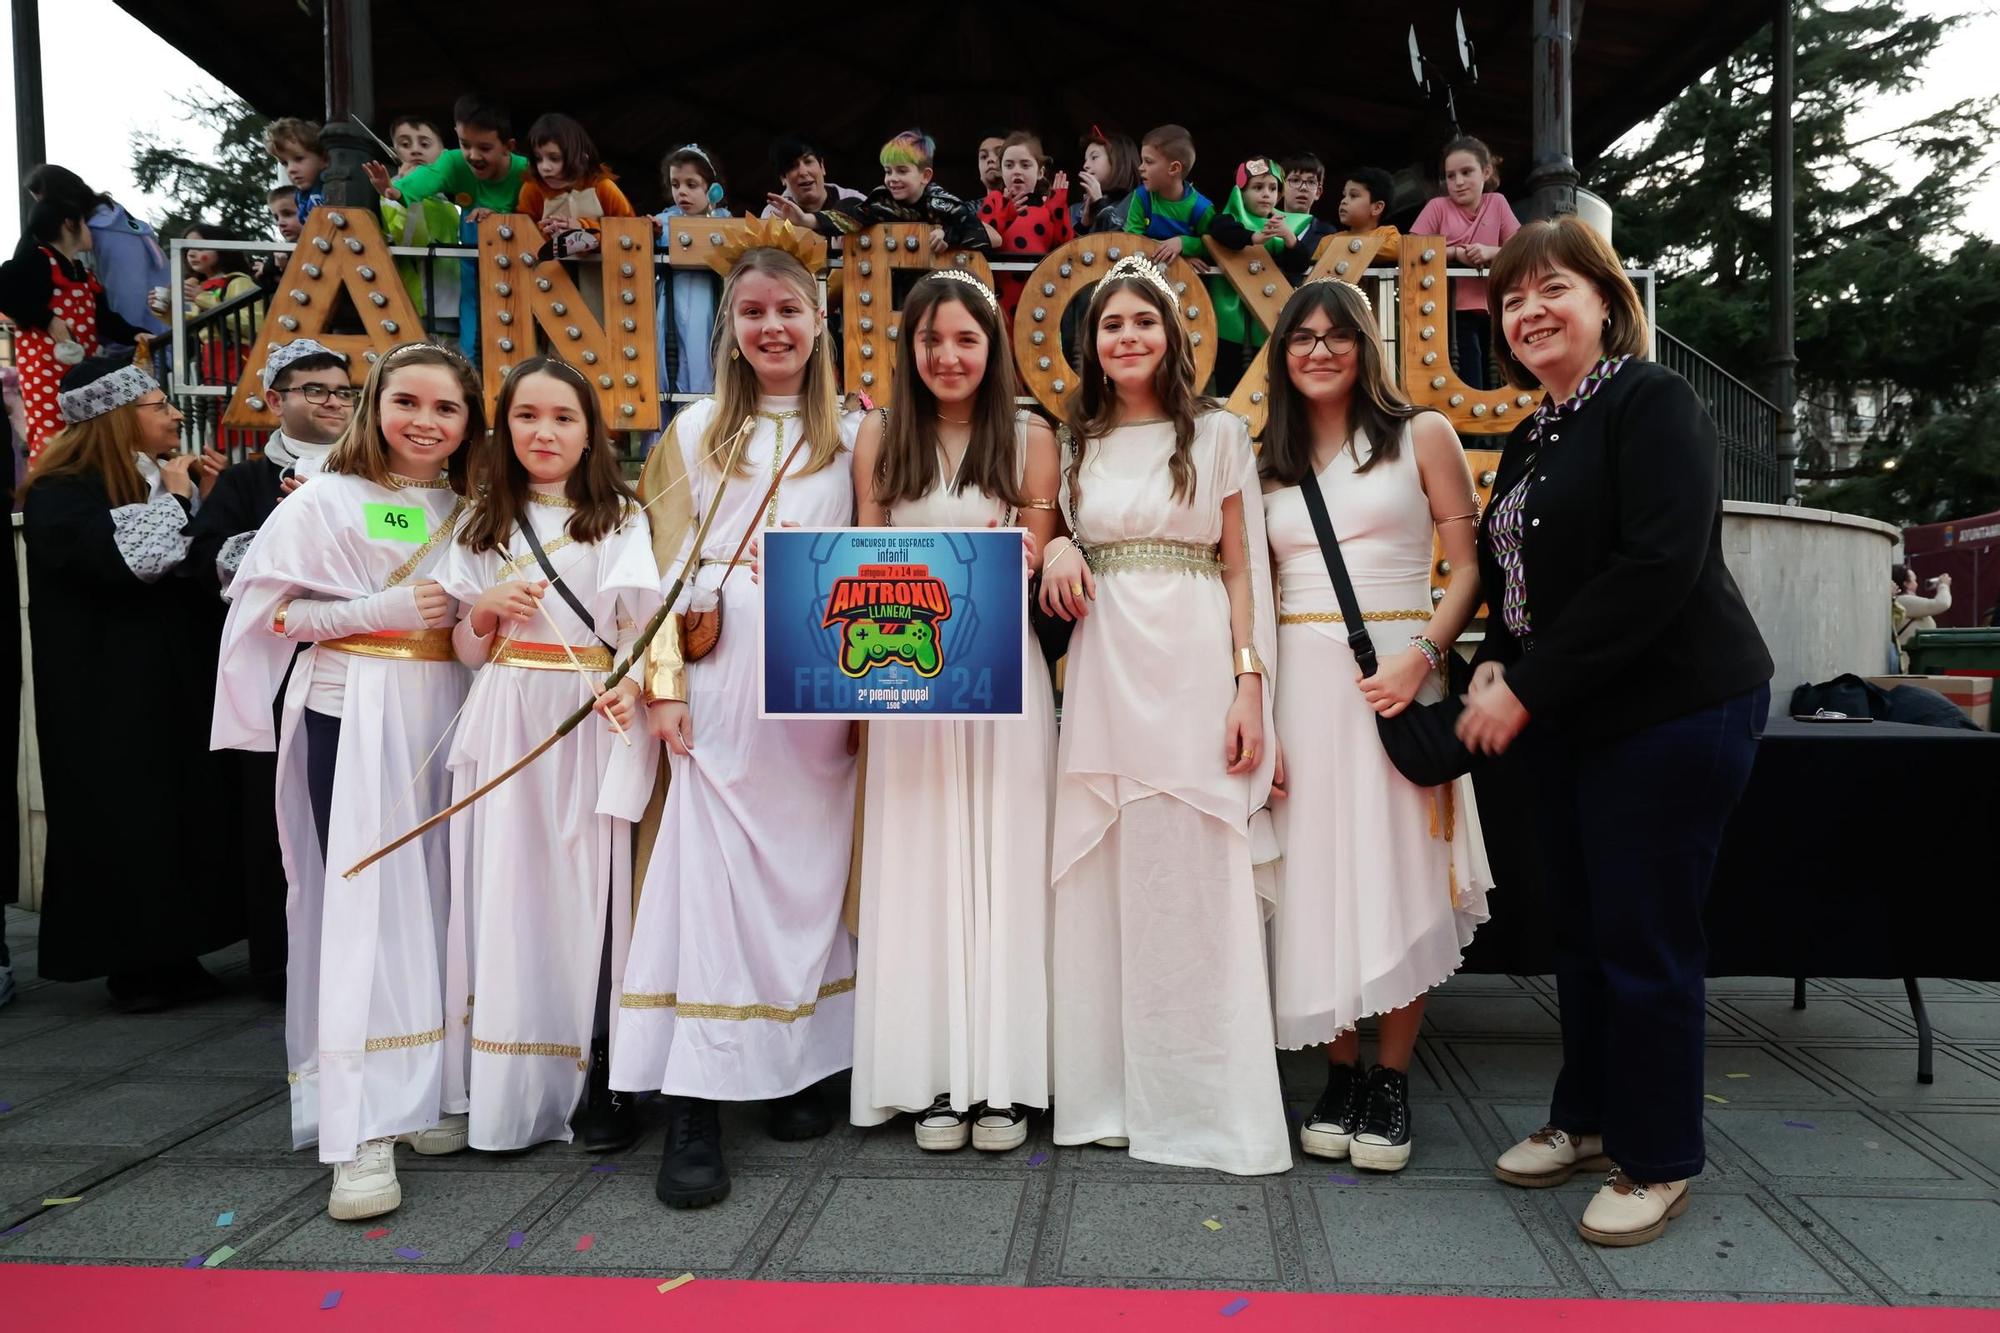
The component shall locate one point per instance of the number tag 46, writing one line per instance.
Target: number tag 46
(396, 523)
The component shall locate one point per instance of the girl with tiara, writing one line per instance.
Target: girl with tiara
(951, 1005)
(1162, 1011)
(1382, 882)
(554, 549)
(741, 977)
(346, 567)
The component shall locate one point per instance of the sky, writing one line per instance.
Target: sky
(92, 136)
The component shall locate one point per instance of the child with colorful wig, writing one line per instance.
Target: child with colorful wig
(907, 194)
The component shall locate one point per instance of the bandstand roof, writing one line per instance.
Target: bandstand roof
(646, 78)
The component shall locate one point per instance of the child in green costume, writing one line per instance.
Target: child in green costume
(1250, 217)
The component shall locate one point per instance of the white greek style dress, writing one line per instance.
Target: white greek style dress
(953, 992)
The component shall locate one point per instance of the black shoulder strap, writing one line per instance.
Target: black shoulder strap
(556, 582)
(1336, 569)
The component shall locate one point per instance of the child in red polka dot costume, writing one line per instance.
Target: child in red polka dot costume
(1021, 220)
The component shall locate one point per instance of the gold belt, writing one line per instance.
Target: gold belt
(1182, 557)
(397, 645)
(1335, 618)
(550, 657)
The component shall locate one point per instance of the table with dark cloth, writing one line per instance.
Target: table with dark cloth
(1859, 850)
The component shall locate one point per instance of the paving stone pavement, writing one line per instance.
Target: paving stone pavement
(1833, 1175)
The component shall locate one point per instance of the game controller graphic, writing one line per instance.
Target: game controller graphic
(871, 644)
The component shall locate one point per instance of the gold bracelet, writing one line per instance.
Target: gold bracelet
(278, 620)
(1038, 504)
(1248, 663)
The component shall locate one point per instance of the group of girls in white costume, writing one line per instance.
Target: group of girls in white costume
(1089, 932)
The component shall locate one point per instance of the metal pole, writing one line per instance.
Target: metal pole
(1784, 360)
(1552, 176)
(350, 91)
(31, 146)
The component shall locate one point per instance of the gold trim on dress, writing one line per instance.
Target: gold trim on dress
(1196, 558)
(521, 562)
(397, 645)
(552, 501)
(406, 1042)
(442, 535)
(735, 1013)
(1335, 618)
(536, 657)
(527, 1048)
(397, 483)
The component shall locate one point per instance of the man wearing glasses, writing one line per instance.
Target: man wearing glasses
(307, 385)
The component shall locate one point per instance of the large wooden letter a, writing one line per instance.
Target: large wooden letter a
(340, 251)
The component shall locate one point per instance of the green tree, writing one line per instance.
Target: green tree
(228, 183)
(1892, 295)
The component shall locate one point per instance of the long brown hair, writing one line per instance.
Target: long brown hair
(362, 452)
(736, 389)
(1536, 251)
(1092, 410)
(103, 447)
(907, 466)
(596, 485)
(1375, 407)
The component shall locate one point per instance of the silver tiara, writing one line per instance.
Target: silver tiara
(960, 275)
(1138, 266)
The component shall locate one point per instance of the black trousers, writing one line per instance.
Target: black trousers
(322, 751)
(1472, 333)
(1629, 831)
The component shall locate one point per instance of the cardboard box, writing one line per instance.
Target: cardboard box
(1972, 694)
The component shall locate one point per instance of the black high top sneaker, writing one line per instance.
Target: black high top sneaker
(1334, 1119)
(1383, 1141)
(692, 1172)
(609, 1121)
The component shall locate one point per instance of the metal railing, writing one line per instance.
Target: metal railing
(1745, 420)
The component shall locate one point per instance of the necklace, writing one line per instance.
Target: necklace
(777, 461)
(953, 421)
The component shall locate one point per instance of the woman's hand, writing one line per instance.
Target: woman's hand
(1243, 725)
(670, 721)
(433, 603)
(58, 329)
(505, 602)
(1484, 675)
(1277, 767)
(1395, 682)
(210, 464)
(1493, 717)
(788, 209)
(174, 475)
(619, 704)
(1068, 587)
(1028, 551)
(757, 555)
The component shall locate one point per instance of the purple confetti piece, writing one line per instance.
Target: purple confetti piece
(331, 1299)
(1236, 1307)
(605, 1168)
(15, 1230)
(1038, 1159)
(407, 1252)
(195, 1261)
(1344, 1180)
(5, 1107)
(1800, 1124)
(516, 1239)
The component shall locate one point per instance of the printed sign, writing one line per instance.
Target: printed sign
(892, 623)
(396, 523)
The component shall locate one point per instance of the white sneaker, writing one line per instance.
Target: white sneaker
(1000, 1128)
(1550, 1157)
(366, 1186)
(448, 1135)
(941, 1128)
(1628, 1213)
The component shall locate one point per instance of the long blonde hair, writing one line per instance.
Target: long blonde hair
(736, 390)
(105, 447)
(362, 452)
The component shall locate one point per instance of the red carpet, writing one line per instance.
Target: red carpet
(34, 1298)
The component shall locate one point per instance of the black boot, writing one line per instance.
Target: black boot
(692, 1172)
(609, 1121)
(802, 1115)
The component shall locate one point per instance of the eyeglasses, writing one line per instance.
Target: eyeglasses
(319, 393)
(163, 404)
(1339, 342)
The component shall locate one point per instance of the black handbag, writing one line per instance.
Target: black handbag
(1422, 740)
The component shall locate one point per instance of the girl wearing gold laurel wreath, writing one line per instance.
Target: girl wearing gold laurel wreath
(1162, 1010)
(345, 565)
(739, 986)
(530, 974)
(951, 1010)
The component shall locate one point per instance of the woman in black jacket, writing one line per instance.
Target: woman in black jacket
(1615, 626)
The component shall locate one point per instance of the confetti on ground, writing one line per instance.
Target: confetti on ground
(195, 1261)
(220, 1257)
(585, 1242)
(516, 1239)
(15, 1230)
(1736, 1076)
(5, 1107)
(409, 1252)
(1719, 1101)
(226, 1219)
(1236, 1307)
(331, 1299)
(1038, 1159)
(673, 1283)
(1211, 1224)
(1344, 1180)
(52, 1203)
(605, 1168)
(376, 1234)
(1800, 1124)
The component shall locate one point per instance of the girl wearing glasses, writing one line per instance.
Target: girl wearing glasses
(1380, 885)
